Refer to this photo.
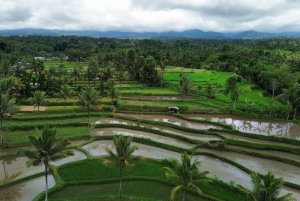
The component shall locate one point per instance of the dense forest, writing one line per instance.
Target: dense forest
(273, 64)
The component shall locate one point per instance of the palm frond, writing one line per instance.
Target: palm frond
(175, 191)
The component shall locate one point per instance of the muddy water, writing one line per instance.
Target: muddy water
(173, 120)
(14, 167)
(270, 152)
(254, 125)
(26, 191)
(286, 171)
(154, 137)
(158, 127)
(217, 168)
(256, 140)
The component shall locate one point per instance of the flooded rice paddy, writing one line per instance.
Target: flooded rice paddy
(175, 120)
(262, 165)
(254, 125)
(27, 190)
(166, 129)
(217, 168)
(14, 167)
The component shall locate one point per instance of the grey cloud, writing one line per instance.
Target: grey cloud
(16, 14)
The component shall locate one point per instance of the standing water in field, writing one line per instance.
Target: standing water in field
(254, 125)
(27, 190)
(14, 167)
(175, 120)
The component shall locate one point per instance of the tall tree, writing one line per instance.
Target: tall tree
(7, 106)
(266, 188)
(273, 86)
(88, 98)
(5, 67)
(185, 85)
(149, 72)
(38, 98)
(113, 93)
(65, 91)
(290, 97)
(163, 68)
(37, 67)
(186, 174)
(232, 87)
(93, 70)
(123, 155)
(209, 90)
(46, 148)
(121, 76)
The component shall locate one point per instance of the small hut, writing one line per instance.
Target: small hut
(173, 109)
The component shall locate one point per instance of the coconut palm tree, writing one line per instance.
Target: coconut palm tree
(38, 98)
(7, 106)
(37, 67)
(266, 188)
(5, 67)
(123, 155)
(65, 91)
(88, 98)
(46, 148)
(290, 97)
(187, 174)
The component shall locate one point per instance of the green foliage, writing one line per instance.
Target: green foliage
(186, 174)
(266, 187)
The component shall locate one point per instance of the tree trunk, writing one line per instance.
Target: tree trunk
(88, 119)
(271, 106)
(295, 113)
(46, 175)
(1, 133)
(234, 103)
(184, 194)
(120, 188)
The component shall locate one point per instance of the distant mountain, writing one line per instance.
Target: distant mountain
(196, 33)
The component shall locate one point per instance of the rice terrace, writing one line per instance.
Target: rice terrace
(157, 122)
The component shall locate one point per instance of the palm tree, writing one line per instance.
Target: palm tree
(266, 188)
(5, 67)
(290, 97)
(38, 98)
(46, 148)
(185, 85)
(37, 67)
(7, 106)
(65, 91)
(113, 93)
(123, 155)
(186, 174)
(89, 98)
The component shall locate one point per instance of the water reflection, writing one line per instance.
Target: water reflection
(27, 190)
(154, 137)
(173, 120)
(14, 167)
(11, 193)
(254, 125)
(6, 176)
(217, 168)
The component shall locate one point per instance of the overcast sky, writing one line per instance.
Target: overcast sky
(152, 15)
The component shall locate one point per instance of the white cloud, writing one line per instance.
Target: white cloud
(152, 15)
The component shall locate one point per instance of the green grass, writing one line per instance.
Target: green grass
(141, 189)
(150, 91)
(21, 137)
(93, 170)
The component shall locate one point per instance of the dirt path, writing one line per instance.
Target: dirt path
(31, 108)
